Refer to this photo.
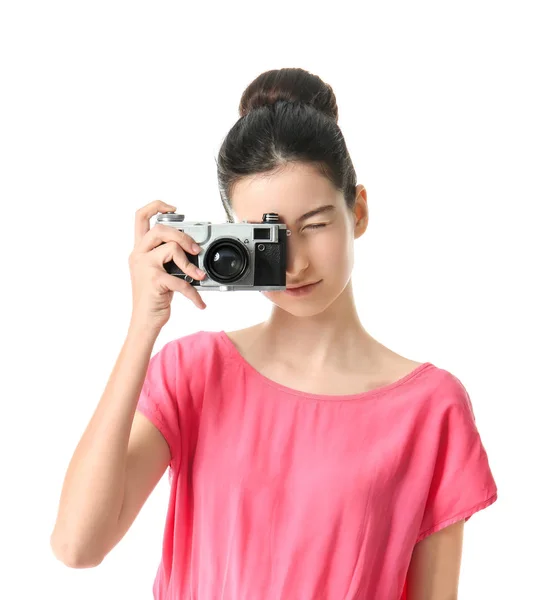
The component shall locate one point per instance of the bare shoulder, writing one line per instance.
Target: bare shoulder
(245, 332)
(393, 364)
(244, 338)
(405, 366)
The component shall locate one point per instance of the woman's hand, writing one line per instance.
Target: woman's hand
(152, 286)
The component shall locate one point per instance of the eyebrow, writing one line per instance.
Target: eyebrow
(316, 211)
(311, 213)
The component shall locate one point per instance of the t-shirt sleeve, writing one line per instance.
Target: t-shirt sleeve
(462, 482)
(158, 398)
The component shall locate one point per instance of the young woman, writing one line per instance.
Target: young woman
(306, 459)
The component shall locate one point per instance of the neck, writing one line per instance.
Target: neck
(334, 338)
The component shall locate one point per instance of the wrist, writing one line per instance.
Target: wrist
(143, 331)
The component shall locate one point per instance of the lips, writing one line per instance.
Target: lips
(295, 287)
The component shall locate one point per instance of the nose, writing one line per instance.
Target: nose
(297, 259)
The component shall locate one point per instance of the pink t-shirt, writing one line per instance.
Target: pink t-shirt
(277, 493)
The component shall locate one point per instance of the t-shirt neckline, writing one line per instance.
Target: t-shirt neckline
(237, 356)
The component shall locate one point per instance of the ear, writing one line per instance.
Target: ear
(360, 211)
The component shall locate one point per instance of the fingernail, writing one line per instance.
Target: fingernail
(196, 248)
(200, 272)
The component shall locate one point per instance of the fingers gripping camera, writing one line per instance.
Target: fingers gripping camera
(234, 256)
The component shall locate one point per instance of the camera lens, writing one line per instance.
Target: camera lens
(226, 260)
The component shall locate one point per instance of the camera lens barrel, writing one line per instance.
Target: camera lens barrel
(226, 260)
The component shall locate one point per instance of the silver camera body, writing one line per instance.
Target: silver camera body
(234, 256)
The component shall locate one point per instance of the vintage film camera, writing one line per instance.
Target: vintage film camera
(234, 256)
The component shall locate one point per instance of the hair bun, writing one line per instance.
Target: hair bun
(290, 85)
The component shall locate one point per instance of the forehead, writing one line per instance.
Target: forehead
(290, 192)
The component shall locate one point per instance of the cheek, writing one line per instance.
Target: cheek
(331, 253)
(330, 256)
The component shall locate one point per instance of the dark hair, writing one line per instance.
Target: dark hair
(286, 115)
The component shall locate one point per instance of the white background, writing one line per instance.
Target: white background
(106, 106)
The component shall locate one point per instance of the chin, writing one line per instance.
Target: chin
(300, 307)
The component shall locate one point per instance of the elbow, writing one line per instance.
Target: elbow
(72, 558)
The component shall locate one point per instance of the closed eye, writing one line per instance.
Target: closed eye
(316, 226)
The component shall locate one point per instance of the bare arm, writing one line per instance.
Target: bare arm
(121, 456)
(434, 570)
(93, 490)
